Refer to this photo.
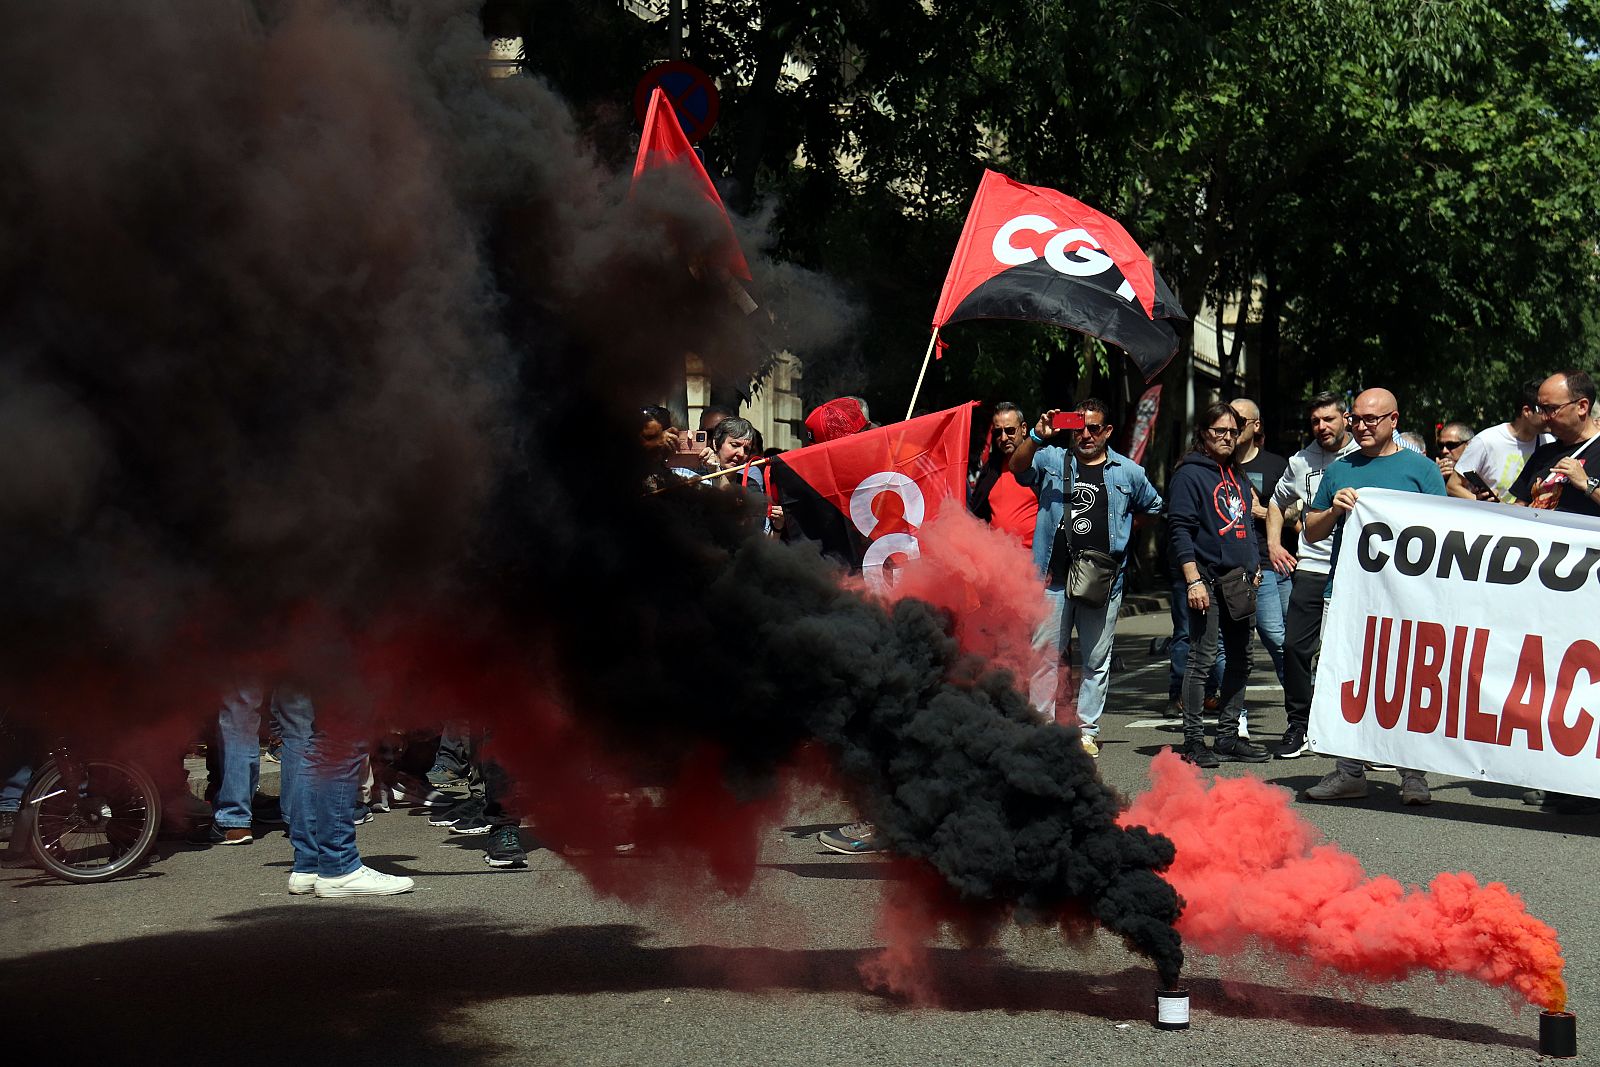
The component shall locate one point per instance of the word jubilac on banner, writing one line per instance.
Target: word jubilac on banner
(1461, 637)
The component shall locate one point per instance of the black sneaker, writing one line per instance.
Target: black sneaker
(505, 848)
(470, 807)
(1294, 744)
(1238, 750)
(1197, 753)
(8, 825)
(471, 824)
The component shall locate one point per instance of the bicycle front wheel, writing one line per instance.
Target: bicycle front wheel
(96, 828)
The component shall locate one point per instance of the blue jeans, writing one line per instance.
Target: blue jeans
(1272, 607)
(1211, 634)
(1179, 649)
(1096, 628)
(11, 792)
(239, 725)
(321, 776)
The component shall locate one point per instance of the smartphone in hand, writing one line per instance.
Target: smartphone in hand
(1067, 420)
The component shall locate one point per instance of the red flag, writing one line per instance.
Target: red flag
(664, 145)
(1144, 421)
(865, 496)
(1039, 255)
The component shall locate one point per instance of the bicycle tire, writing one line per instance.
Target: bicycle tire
(126, 821)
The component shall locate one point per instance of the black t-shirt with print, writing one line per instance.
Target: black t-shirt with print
(1530, 487)
(1264, 473)
(1088, 522)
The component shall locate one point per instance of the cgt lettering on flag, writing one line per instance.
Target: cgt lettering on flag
(1073, 252)
(864, 497)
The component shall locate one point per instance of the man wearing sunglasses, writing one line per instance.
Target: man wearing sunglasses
(1087, 500)
(1557, 475)
(996, 497)
(1452, 438)
(1378, 463)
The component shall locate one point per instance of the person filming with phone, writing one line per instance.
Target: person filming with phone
(1088, 495)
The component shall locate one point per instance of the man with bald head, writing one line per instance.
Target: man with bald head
(1264, 470)
(1557, 475)
(1378, 463)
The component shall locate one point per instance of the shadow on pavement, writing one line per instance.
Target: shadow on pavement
(323, 978)
(849, 869)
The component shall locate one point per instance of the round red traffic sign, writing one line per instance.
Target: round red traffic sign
(690, 91)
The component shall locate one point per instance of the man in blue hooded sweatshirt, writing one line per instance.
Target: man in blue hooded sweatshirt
(1210, 534)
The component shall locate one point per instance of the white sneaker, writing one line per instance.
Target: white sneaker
(363, 882)
(301, 884)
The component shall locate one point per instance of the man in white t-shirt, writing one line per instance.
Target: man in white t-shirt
(1496, 456)
(1303, 619)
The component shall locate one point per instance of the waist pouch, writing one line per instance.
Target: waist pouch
(1238, 592)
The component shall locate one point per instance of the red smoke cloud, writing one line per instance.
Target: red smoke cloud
(986, 579)
(1249, 868)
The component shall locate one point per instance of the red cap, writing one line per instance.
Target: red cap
(835, 419)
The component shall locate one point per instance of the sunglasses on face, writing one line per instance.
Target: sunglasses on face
(1095, 429)
(1451, 446)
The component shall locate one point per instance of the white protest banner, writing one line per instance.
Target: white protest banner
(1461, 637)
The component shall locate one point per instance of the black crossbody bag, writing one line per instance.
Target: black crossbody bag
(1237, 589)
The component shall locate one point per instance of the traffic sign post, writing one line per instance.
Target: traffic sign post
(689, 90)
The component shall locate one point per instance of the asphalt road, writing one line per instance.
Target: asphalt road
(203, 957)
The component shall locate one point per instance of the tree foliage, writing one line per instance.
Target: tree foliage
(1404, 191)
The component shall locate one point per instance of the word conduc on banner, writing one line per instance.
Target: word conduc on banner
(1464, 638)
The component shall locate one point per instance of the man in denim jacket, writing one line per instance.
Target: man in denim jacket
(1105, 490)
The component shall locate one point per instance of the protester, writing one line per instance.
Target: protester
(239, 735)
(1307, 571)
(997, 498)
(1213, 543)
(1081, 551)
(1412, 440)
(1264, 470)
(1497, 455)
(837, 418)
(664, 462)
(1452, 437)
(320, 776)
(842, 417)
(713, 415)
(1380, 463)
(1556, 476)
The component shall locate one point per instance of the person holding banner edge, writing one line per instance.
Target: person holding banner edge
(1103, 489)
(1308, 571)
(1213, 540)
(1378, 463)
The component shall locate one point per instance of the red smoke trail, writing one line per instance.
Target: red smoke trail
(987, 581)
(1249, 868)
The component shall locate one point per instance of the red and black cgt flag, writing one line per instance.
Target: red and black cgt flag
(865, 496)
(1038, 255)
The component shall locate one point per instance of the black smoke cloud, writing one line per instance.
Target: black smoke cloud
(319, 352)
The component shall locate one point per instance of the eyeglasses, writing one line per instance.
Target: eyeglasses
(1008, 431)
(1096, 429)
(1451, 446)
(1548, 410)
(1220, 432)
(1370, 421)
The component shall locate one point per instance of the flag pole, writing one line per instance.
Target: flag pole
(926, 356)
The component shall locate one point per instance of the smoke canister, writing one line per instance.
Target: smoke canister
(1558, 1034)
(1172, 1009)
